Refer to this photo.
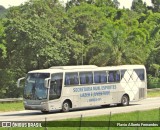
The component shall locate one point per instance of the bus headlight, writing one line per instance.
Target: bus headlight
(42, 103)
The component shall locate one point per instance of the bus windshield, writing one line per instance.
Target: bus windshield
(34, 86)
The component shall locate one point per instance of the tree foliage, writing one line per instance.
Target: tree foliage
(43, 33)
(138, 6)
(156, 5)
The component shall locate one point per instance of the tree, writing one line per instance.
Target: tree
(34, 40)
(114, 48)
(121, 41)
(98, 3)
(34, 35)
(156, 5)
(2, 42)
(2, 11)
(139, 6)
(153, 22)
(86, 21)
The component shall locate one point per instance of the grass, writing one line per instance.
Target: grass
(149, 115)
(153, 93)
(16, 106)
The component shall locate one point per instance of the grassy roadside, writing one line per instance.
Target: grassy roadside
(16, 106)
(153, 93)
(149, 115)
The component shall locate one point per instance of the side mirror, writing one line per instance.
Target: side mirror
(19, 80)
(47, 83)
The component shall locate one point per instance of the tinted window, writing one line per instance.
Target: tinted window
(140, 73)
(113, 76)
(71, 78)
(122, 73)
(86, 77)
(100, 77)
(55, 86)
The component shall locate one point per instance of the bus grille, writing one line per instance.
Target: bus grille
(33, 102)
(141, 93)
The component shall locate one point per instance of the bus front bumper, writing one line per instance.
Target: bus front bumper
(43, 106)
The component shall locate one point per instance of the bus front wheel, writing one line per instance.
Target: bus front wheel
(125, 100)
(66, 106)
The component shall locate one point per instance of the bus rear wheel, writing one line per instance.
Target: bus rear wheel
(45, 112)
(125, 100)
(66, 106)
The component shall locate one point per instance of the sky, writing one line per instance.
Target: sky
(9, 3)
(128, 3)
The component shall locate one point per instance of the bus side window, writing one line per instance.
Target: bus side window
(82, 79)
(67, 80)
(140, 73)
(111, 76)
(117, 76)
(55, 86)
(86, 77)
(114, 76)
(89, 78)
(103, 77)
(71, 78)
(96, 77)
(122, 73)
(100, 77)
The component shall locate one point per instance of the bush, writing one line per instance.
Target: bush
(153, 82)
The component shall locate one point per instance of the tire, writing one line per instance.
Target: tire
(125, 100)
(45, 112)
(66, 106)
(105, 106)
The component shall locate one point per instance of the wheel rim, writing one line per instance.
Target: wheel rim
(65, 106)
(125, 100)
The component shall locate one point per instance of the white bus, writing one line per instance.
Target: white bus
(67, 87)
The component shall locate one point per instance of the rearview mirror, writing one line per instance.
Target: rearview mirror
(47, 83)
(19, 80)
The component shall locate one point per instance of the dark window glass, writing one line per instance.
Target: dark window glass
(100, 77)
(113, 76)
(71, 78)
(86, 77)
(140, 73)
(117, 76)
(55, 86)
(122, 73)
(34, 86)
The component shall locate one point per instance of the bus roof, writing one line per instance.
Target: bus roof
(56, 69)
(74, 67)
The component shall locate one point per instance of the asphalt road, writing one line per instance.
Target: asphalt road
(27, 115)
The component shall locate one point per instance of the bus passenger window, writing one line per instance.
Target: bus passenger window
(71, 78)
(122, 73)
(114, 76)
(117, 76)
(82, 79)
(55, 86)
(100, 77)
(111, 76)
(86, 77)
(140, 73)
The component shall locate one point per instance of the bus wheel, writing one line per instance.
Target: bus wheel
(45, 112)
(104, 106)
(125, 100)
(66, 106)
